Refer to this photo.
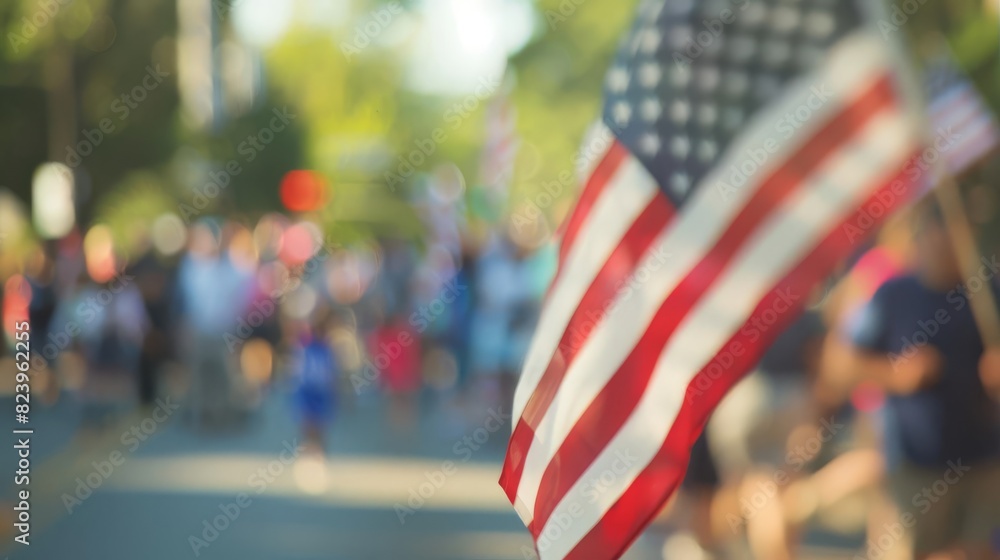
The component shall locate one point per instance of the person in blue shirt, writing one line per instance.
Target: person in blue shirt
(918, 339)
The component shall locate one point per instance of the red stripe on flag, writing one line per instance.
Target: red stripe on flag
(624, 521)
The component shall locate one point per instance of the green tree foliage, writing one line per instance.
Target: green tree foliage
(67, 66)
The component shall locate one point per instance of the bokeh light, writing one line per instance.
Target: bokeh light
(99, 252)
(52, 189)
(169, 234)
(303, 190)
(300, 242)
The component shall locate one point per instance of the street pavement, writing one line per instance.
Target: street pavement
(150, 487)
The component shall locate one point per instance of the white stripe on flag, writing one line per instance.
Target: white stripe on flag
(597, 141)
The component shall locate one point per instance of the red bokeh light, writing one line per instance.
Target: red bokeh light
(16, 299)
(303, 190)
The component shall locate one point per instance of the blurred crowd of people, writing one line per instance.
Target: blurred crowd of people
(221, 311)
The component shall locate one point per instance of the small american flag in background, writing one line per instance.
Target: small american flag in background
(747, 136)
(955, 105)
(500, 148)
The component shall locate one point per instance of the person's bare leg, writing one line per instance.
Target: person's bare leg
(841, 477)
(883, 513)
(767, 531)
(727, 520)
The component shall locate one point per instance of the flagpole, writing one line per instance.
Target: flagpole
(982, 302)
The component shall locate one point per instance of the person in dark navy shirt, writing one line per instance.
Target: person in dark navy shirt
(917, 337)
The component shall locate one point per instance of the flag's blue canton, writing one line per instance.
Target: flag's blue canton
(692, 73)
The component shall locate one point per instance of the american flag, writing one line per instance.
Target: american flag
(956, 106)
(747, 137)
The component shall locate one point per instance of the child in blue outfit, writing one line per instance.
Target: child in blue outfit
(315, 378)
